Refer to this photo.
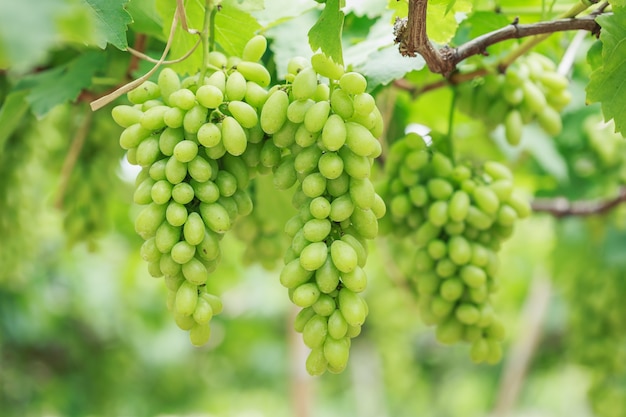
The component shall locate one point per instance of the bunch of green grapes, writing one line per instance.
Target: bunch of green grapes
(594, 284)
(198, 142)
(86, 194)
(531, 89)
(325, 140)
(455, 218)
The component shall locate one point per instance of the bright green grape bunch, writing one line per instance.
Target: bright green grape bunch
(531, 89)
(198, 143)
(325, 135)
(456, 218)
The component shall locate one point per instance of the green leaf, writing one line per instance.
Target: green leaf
(111, 22)
(326, 33)
(145, 17)
(31, 28)
(369, 8)
(244, 5)
(608, 83)
(287, 40)
(386, 65)
(233, 28)
(11, 113)
(60, 84)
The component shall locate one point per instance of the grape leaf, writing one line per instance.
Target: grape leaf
(111, 22)
(326, 33)
(233, 28)
(608, 83)
(30, 28)
(11, 113)
(369, 8)
(145, 17)
(386, 65)
(244, 5)
(60, 84)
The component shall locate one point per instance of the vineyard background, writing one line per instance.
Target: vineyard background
(84, 329)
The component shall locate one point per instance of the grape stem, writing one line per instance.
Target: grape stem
(412, 38)
(72, 156)
(479, 45)
(562, 207)
(208, 41)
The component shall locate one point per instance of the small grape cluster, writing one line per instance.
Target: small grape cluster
(198, 142)
(456, 218)
(326, 134)
(531, 89)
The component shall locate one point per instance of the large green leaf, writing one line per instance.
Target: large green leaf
(326, 33)
(111, 22)
(11, 113)
(30, 28)
(608, 82)
(61, 84)
(146, 19)
(386, 65)
(233, 28)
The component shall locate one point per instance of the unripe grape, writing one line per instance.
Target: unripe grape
(233, 136)
(352, 307)
(256, 72)
(274, 112)
(314, 255)
(182, 252)
(334, 133)
(125, 115)
(186, 299)
(244, 113)
(315, 331)
(316, 116)
(148, 90)
(304, 84)
(353, 83)
(326, 67)
(184, 99)
(342, 104)
(210, 96)
(254, 48)
(235, 86)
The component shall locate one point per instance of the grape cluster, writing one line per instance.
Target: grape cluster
(456, 218)
(531, 89)
(325, 135)
(198, 142)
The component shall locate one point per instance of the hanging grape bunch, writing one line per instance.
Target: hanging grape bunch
(325, 135)
(198, 143)
(456, 217)
(531, 89)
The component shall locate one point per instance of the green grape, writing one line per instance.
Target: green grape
(209, 135)
(254, 48)
(182, 252)
(326, 67)
(244, 113)
(513, 124)
(185, 150)
(210, 96)
(195, 118)
(186, 299)
(148, 90)
(233, 136)
(274, 112)
(304, 84)
(215, 217)
(255, 72)
(316, 116)
(342, 104)
(314, 255)
(334, 133)
(315, 331)
(353, 83)
(183, 99)
(125, 115)
(352, 307)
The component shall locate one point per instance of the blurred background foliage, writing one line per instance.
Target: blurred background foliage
(83, 327)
